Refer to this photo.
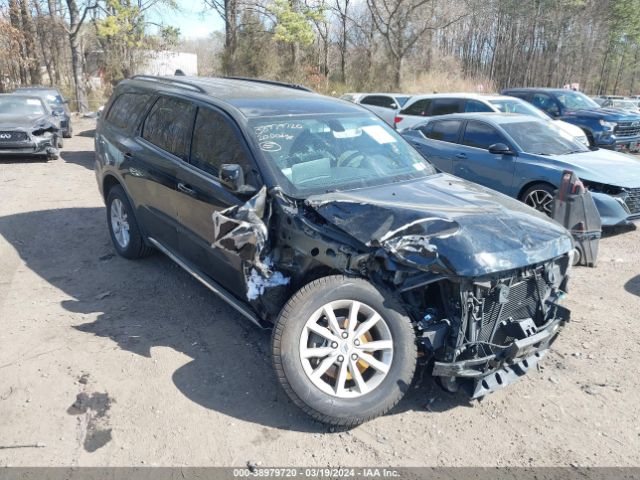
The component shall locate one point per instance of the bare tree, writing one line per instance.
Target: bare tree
(77, 16)
(401, 23)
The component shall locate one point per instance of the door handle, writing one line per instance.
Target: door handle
(128, 154)
(186, 189)
(461, 156)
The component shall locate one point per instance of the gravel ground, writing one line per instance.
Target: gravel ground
(105, 361)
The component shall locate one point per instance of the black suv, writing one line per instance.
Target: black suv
(605, 127)
(311, 215)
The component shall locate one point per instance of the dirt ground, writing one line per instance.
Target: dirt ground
(110, 362)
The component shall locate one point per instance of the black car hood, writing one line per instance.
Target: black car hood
(443, 222)
(22, 121)
(608, 114)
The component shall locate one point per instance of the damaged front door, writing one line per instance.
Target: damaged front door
(215, 142)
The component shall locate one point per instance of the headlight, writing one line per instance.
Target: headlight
(608, 125)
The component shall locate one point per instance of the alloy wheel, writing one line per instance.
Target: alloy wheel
(346, 348)
(120, 223)
(541, 200)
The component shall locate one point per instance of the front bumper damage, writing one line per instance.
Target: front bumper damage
(485, 308)
(485, 375)
(20, 143)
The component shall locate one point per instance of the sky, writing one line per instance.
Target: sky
(192, 19)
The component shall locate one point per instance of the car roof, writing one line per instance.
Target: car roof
(251, 97)
(492, 117)
(541, 89)
(37, 89)
(22, 95)
(464, 95)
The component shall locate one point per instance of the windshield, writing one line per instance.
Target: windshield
(318, 154)
(513, 105)
(52, 97)
(21, 106)
(541, 138)
(575, 100)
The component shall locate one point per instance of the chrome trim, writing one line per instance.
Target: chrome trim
(209, 283)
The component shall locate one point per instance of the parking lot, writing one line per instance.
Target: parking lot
(110, 362)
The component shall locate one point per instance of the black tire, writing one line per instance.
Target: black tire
(60, 143)
(136, 247)
(326, 408)
(539, 187)
(68, 133)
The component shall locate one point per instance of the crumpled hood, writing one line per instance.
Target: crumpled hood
(608, 114)
(21, 121)
(443, 222)
(603, 166)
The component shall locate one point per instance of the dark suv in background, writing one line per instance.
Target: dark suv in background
(311, 215)
(605, 127)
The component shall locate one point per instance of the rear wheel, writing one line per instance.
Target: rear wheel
(344, 351)
(125, 233)
(540, 197)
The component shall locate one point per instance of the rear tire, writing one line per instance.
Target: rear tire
(123, 227)
(363, 379)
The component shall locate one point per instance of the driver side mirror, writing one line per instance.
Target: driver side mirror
(232, 175)
(500, 149)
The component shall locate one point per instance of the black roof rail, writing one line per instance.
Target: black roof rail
(170, 81)
(272, 82)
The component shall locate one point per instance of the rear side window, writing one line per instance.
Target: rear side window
(168, 125)
(215, 142)
(476, 106)
(127, 110)
(445, 106)
(481, 135)
(379, 101)
(419, 108)
(445, 130)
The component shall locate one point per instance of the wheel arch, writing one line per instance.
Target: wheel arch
(108, 183)
(530, 184)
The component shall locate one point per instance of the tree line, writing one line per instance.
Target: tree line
(337, 45)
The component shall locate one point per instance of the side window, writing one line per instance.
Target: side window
(419, 108)
(481, 135)
(215, 142)
(476, 106)
(379, 101)
(445, 130)
(545, 103)
(168, 125)
(445, 106)
(127, 110)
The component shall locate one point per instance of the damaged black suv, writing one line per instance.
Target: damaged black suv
(311, 215)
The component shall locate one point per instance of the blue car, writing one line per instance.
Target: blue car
(610, 128)
(524, 158)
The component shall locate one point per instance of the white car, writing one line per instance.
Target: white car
(385, 105)
(421, 106)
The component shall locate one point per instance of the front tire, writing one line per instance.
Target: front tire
(123, 227)
(343, 350)
(539, 196)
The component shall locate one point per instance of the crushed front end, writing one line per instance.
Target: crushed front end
(487, 332)
(37, 141)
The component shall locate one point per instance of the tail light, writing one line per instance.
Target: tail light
(397, 120)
